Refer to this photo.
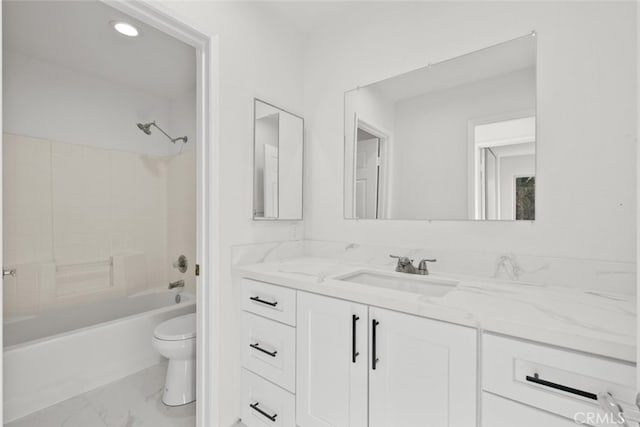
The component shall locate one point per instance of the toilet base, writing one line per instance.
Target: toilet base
(180, 383)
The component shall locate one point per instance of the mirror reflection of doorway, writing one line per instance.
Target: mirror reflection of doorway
(505, 169)
(267, 165)
(367, 175)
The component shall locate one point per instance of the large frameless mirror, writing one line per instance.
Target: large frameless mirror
(277, 168)
(451, 141)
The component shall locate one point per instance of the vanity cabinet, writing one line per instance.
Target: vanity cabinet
(412, 371)
(310, 360)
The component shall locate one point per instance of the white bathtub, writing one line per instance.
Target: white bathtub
(60, 354)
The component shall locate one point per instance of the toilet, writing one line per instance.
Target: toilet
(175, 339)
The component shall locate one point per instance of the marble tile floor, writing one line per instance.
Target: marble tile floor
(133, 401)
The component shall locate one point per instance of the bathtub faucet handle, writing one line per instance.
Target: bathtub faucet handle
(9, 272)
(176, 284)
(181, 264)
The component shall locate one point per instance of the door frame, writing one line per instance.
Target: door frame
(1, 219)
(383, 193)
(163, 18)
(637, 207)
(474, 205)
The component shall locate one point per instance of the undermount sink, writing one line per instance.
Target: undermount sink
(412, 283)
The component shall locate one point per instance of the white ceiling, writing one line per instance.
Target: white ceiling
(518, 54)
(306, 17)
(77, 35)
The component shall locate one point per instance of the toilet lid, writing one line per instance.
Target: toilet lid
(178, 328)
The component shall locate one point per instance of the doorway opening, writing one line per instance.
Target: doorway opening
(504, 168)
(121, 209)
(371, 160)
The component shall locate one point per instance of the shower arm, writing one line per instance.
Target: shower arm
(173, 140)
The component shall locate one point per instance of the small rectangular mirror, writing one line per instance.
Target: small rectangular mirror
(278, 143)
(451, 141)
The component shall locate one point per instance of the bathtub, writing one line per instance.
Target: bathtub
(59, 354)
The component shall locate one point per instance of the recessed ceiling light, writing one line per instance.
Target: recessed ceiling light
(125, 28)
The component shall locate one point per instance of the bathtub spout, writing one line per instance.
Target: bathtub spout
(176, 284)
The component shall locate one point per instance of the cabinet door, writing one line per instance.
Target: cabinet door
(332, 359)
(423, 372)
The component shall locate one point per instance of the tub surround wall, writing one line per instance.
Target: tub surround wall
(181, 216)
(84, 224)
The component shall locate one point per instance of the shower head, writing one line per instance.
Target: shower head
(146, 127)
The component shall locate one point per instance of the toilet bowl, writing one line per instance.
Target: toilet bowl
(175, 339)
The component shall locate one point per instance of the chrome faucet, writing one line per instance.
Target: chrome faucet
(176, 284)
(405, 265)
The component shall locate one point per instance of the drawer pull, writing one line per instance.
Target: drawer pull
(374, 344)
(257, 347)
(261, 301)
(537, 380)
(354, 351)
(254, 406)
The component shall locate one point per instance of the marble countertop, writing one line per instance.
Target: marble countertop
(590, 321)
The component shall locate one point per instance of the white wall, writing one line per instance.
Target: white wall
(182, 122)
(259, 57)
(432, 143)
(586, 111)
(53, 102)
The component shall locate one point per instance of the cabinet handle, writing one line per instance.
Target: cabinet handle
(374, 358)
(254, 406)
(261, 301)
(354, 352)
(257, 347)
(537, 380)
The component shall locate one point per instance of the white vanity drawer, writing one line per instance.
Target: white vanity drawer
(266, 404)
(269, 350)
(500, 412)
(555, 380)
(274, 302)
